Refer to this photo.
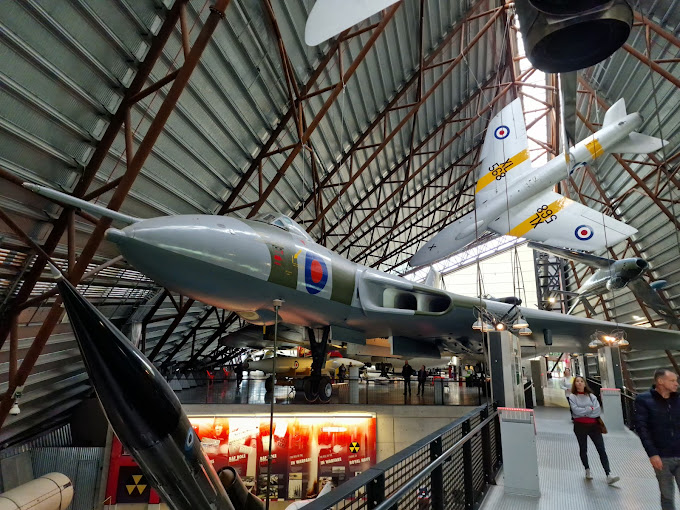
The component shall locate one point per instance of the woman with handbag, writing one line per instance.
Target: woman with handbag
(587, 423)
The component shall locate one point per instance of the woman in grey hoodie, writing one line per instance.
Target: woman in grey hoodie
(586, 410)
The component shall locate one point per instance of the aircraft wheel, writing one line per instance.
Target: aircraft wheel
(311, 392)
(269, 384)
(325, 389)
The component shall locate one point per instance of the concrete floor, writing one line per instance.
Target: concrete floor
(252, 391)
(562, 482)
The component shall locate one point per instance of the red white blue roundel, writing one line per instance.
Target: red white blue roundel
(501, 132)
(316, 273)
(583, 232)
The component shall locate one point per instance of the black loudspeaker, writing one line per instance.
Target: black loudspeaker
(547, 336)
(567, 35)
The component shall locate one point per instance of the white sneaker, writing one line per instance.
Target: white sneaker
(611, 479)
(588, 475)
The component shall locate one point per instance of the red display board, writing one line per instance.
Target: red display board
(307, 452)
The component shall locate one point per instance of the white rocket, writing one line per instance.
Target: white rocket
(512, 198)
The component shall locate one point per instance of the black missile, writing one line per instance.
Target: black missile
(143, 411)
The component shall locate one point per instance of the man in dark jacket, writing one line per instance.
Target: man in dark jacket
(657, 422)
(406, 373)
(422, 377)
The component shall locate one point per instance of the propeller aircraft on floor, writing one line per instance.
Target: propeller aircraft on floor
(512, 198)
(242, 265)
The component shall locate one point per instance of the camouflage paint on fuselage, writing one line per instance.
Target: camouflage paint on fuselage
(301, 264)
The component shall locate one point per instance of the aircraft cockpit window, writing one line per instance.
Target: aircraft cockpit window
(283, 222)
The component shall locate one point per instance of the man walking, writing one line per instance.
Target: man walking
(657, 422)
(422, 377)
(341, 373)
(406, 373)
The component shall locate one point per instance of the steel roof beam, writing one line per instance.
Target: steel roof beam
(100, 153)
(143, 151)
(410, 114)
(326, 106)
(443, 145)
(391, 106)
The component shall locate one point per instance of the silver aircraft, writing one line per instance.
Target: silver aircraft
(243, 265)
(611, 275)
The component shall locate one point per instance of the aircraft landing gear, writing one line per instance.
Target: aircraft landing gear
(315, 386)
(269, 384)
(325, 389)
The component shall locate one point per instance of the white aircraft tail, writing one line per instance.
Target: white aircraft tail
(635, 143)
(505, 153)
(434, 279)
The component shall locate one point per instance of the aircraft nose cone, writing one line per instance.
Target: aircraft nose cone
(115, 235)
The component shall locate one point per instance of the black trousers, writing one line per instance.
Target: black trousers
(421, 387)
(407, 386)
(584, 431)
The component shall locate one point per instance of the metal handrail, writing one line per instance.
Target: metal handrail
(375, 473)
(395, 497)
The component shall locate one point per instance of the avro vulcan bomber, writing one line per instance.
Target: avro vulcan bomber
(243, 265)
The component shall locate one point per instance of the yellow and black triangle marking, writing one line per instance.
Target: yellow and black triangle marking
(139, 486)
(354, 447)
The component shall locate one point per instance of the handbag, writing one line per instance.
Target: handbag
(600, 423)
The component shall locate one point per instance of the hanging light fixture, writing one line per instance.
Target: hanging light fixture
(478, 324)
(486, 327)
(525, 332)
(520, 323)
(624, 343)
(594, 344)
(500, 326)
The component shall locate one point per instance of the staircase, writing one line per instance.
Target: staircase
(642, 364)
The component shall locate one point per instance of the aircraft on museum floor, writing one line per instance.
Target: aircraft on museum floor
(243, 265)
(512, 198)
(613, 274)
(294, 371)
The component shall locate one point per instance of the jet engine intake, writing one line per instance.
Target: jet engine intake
(567, 35)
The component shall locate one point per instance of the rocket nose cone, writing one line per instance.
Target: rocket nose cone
(138, 402)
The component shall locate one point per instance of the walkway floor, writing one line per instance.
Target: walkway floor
(562, 482)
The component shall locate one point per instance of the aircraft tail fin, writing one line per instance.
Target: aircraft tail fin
(635, 143)
(616, 112)
(505, 153)
(433, 279)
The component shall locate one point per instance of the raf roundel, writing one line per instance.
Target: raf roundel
(316, 273)
(583, 232)
(501, 132)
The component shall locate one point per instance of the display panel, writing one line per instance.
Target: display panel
(307, 452)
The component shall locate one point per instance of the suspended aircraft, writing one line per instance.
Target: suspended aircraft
(329, 17)
(243, 265)
(613, 274)
(512, 198)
